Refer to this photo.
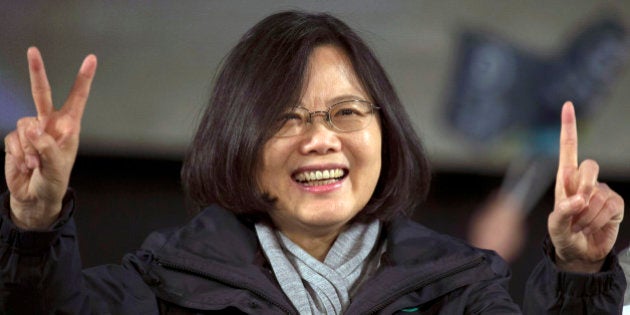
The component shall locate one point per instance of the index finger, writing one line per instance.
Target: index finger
(75, 104)
(40, 88)
(568, 156)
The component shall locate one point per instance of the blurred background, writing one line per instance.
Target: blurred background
(483, 81)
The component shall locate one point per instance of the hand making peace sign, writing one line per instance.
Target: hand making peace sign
(41, 151)
(586, 216)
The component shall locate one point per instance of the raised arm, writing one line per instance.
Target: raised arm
(41, 151)
(586, 216)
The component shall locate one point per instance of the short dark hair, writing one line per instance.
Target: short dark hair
(261, 77)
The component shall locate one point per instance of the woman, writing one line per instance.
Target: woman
(307, 166)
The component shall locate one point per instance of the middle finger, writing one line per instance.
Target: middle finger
(596, 201)
(588, 173)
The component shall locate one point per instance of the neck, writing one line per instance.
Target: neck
(314, 239)
(316, 245)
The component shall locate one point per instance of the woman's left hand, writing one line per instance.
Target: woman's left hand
(586, 216)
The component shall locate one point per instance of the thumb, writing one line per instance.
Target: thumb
(561, 219)
(48, 152)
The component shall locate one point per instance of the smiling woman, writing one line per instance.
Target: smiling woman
(304, 212)
(275, 68)
(297, 214)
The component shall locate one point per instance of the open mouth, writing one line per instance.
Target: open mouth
(320, 177)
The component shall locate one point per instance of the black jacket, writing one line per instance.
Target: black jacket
(214, 263)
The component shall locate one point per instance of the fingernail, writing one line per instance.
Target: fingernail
(576, 201)
(586, 231)
(33, 132)
(565, 204)
(32, 162)
(23, 168)
(85, 64)
(570, 203)
(28, 161)
(576, 228)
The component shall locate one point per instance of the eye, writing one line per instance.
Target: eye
(295, 117)
(289, 116)
(292, 122)
(349, 110)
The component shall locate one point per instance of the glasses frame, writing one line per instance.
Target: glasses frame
(326, 116)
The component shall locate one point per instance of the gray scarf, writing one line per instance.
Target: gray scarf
(316, 287)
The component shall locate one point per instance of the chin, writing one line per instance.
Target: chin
(326, 222)
(327, 216)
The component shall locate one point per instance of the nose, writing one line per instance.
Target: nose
(319, 138)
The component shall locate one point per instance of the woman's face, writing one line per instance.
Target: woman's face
(323, 206)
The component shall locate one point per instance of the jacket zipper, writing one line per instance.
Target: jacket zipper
(178, 267)
(468, 265)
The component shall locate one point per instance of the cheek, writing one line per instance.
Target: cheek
(366, 149)
(274, 158)
(265, 171)
(372, 146)
(376, 153)
(376, 161)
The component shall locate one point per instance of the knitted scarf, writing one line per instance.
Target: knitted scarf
(316, 287)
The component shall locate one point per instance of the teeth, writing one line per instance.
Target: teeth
(323, 177)
(320, 182)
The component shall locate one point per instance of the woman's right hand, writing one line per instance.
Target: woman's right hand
(41, 151)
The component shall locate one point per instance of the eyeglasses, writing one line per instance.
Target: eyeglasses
(345, 116)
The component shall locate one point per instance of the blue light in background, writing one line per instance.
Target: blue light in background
(13, 106)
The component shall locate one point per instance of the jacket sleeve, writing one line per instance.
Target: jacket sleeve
(41, 273)
(491, 296)
(550, 291)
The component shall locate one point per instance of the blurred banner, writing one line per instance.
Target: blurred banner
(500, 88)
(502, 92)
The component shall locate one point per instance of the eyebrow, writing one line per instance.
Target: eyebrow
(346, 97)
(340, 98)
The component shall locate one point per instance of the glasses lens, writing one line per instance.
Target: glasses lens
(292, 122)
(351, 115)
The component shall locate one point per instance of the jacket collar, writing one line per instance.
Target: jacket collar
(217, 245)
(215, 250)
(421, 264)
